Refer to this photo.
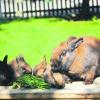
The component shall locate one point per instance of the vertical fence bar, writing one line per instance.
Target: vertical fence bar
(39, 8)
(75, 7)
(27, 8)
(9, 12)
(80, 6)
(48, 10)
(35, 9)
(52, 8)
(31, 8)
(44, 8)
(5, 9)
(22, 9)
(93, 6)
(0, 10)
(57, 9)
(61, 8)
(17, 9)
(13, 4)
(97, 7)
(70, 6)
(42, 12)
(66, 7)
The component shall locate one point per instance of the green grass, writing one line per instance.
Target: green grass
(34, 38)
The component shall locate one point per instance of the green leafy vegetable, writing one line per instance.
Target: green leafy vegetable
(30, 81)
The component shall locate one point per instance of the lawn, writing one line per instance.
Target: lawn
(34, 38)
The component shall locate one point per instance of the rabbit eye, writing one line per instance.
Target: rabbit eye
(64, 52)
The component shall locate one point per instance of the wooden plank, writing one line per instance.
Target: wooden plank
(70, 91)
(45, 96)
(35, 94)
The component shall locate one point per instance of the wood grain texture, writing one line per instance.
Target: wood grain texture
(80, 91)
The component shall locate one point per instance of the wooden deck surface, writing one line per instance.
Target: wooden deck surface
(75, 90)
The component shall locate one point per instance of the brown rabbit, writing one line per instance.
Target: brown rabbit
(54, 61)
(20, 66)
(81, 60)
(43, 70)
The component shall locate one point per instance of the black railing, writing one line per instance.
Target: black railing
(40, 8)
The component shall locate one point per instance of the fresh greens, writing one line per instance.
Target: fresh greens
(30, 81)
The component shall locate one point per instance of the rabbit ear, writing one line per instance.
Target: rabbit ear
(71, 39)
(44, 61)
(75, 44)
(21, 57)
(5, 59)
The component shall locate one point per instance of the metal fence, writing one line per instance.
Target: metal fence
(40, 8)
